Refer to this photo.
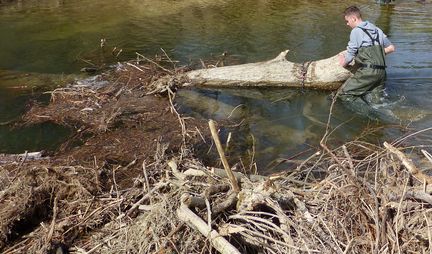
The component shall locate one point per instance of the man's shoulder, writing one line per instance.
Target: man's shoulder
(356, 31)
(373, 26)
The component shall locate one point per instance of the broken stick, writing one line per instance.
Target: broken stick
(228, 170)
(219, 242)
(409, 165)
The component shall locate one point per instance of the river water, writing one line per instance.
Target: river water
(61, 37)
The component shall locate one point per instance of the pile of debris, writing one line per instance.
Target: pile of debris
(130, 181)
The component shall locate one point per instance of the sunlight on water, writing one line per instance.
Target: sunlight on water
(61, 37)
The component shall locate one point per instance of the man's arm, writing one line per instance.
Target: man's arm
(389, 49)
(388, 46)
(353, 46)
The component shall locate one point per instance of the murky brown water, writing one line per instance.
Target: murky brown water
(61, 37)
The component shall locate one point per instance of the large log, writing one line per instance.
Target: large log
(325, 74)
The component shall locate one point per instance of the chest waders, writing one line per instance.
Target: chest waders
(370, 76)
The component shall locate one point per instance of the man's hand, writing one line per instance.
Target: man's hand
(342, 60)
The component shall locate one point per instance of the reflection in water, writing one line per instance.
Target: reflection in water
(283, 122)
(53, 36)
(385, 18)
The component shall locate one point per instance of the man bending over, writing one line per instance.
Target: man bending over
(368, 46)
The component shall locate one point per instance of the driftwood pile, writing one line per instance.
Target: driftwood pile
(380, 203)
(370, 200)
(357, 198)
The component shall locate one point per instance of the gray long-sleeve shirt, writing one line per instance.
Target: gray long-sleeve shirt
(358, 39)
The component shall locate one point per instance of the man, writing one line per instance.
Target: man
(368, 46)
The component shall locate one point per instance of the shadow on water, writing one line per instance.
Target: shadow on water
(39, 137)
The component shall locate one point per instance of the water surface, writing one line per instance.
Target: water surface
(61, 37)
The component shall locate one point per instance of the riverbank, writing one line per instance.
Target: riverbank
(133, 178)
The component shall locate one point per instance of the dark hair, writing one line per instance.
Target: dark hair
(352, 10)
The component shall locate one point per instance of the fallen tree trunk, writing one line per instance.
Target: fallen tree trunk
(325, 74)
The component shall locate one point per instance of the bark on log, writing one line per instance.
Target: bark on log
(325, 74)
